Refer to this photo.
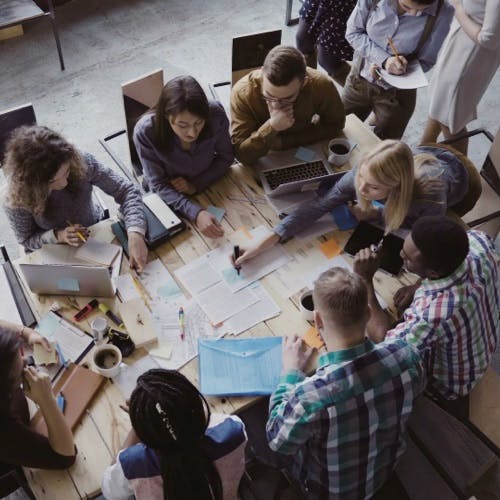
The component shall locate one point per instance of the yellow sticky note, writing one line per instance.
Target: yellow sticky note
(312, 338)
(330, 248)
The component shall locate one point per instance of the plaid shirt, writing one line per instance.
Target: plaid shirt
(454, 321)
(345, 424)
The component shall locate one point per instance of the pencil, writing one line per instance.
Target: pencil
(79, 234)
(394, 50)
(139, 282)
(141, 292)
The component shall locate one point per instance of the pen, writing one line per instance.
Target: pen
(376, 248)
(61, 355)
(111, 315)
(182, 322)
(134, 274)
(140, 291)
(394, 50)
(236, 254)
(79, 234)
(87, 309)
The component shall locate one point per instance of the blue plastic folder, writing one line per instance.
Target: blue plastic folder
(239, 367)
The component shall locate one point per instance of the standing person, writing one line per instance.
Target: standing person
(184, 146)
(465, 68)
(22, 446)
(417, 29)
(321, 36)
(283, 105)
(344, 425)
(50, 182)
(176, 448)
(406, 184)
(452, 313)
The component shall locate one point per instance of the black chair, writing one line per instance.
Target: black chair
(14, 12)
(139, 95)
(12, 480)
(248, 53)
(487, 209)
(13, 118)
(289, 21)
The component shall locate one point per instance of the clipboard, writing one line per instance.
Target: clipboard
(79, 385)
(239, 367)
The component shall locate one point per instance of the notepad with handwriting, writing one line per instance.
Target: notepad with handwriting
(97, 252)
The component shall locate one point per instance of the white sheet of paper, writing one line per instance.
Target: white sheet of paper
(102, 231)
(254, 269)
(96, 251)
(220, 303)
(414, 78)
(129, 373)
(198, 275)
(265, 308)
(8, 308)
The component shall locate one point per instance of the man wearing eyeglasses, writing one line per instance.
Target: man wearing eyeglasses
(282, 106)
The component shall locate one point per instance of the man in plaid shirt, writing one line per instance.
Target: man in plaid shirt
(453, 318)
(344, 425)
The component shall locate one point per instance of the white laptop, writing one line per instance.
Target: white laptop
(281, 172)
(71, 278)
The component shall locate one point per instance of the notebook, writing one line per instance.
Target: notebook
(78, 385)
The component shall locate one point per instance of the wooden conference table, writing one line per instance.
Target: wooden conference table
(104, 427)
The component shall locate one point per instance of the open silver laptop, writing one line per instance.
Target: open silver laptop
(281, 172)
(62, 274)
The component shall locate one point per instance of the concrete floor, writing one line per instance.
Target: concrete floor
(109, 42)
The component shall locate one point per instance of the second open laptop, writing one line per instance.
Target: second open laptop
(281, 172)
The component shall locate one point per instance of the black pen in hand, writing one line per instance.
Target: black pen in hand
(236, 255)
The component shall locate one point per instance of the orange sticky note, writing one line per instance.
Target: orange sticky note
(246, 232)
(330, 248)
(312, 338)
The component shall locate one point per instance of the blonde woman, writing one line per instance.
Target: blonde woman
(49, 182)
(405, 184)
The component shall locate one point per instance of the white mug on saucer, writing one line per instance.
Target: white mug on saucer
(339, 151)
(306, 305)
(107, 359)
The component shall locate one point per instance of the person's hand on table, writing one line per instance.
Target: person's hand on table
(32, 337)
(69, 235)
(294, 357)
(366, 263)
(404, 296)
(281, 118)
(255, 249)
(396, 65)
(37, 385)
(137, 251)
(208, 225)
(371, 213)
(182, 185)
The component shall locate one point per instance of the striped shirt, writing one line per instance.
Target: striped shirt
(136, 473)
(454, 321)
(345, 424)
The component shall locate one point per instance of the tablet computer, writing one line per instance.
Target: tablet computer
(366, 234)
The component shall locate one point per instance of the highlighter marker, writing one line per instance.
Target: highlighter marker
(61, 402)
(86, 310)
(111, 315)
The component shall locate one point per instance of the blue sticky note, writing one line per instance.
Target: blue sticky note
(68, 284)
(377, 204)
(217, 212)
(343, 218)
(305, 154)
(48, 324)
(231, 275)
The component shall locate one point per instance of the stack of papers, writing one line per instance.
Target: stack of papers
(97, 252)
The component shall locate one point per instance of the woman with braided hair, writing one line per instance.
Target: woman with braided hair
(176, 449)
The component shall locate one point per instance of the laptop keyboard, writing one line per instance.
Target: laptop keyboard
(294, 173)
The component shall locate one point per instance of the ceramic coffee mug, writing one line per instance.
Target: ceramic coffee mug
(339, 151)
(306, 305)
(107, 359)
(99, 328)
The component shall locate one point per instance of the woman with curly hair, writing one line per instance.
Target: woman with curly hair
(176, 448)
(50, 182)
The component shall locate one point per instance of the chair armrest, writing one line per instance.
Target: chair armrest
(469, 134)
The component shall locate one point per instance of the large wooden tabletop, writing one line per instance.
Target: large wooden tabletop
(100, 434)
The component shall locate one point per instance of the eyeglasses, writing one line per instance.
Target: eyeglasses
(280, 101)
